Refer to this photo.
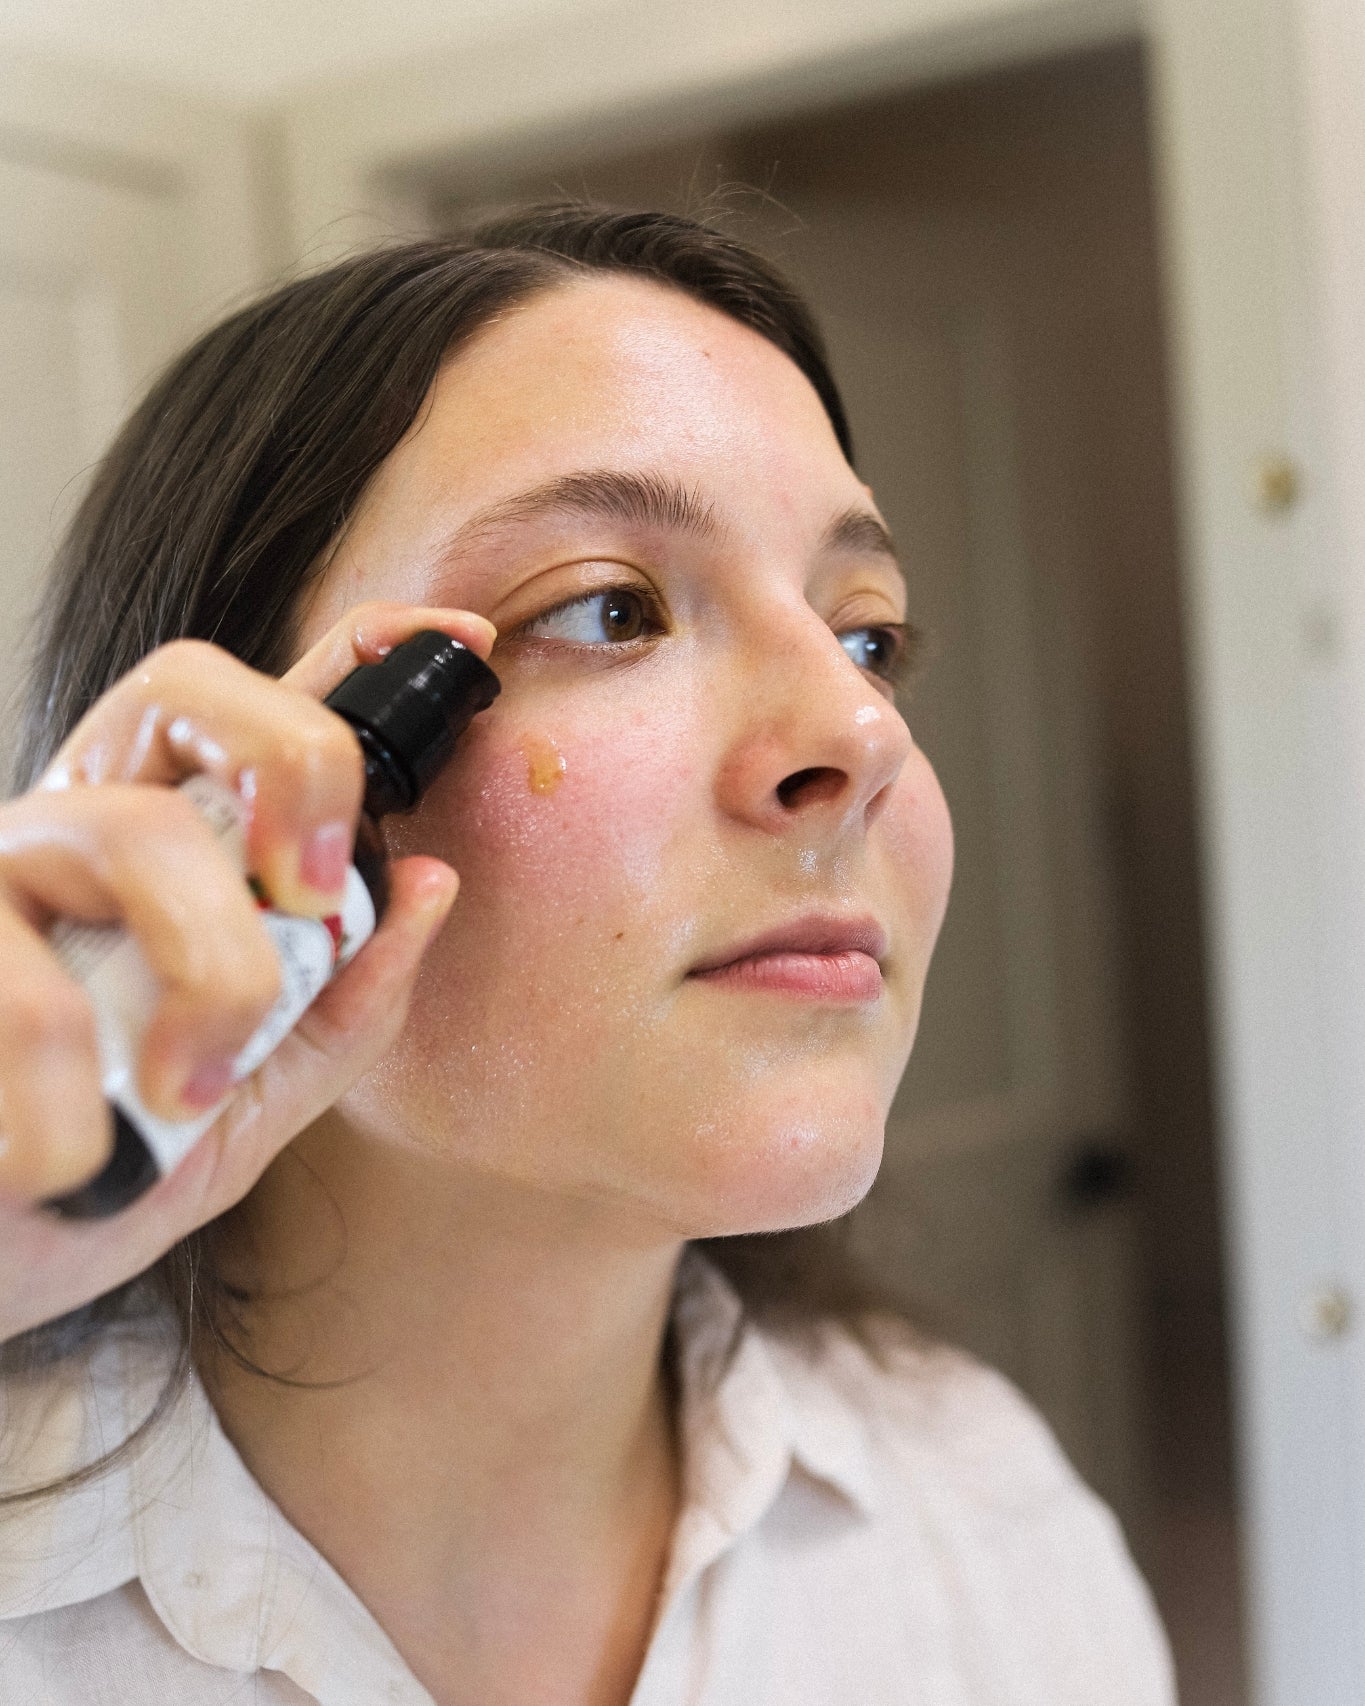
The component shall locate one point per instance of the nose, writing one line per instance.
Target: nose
(816, 746)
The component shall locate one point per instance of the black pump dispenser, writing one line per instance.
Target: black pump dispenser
(408, 710)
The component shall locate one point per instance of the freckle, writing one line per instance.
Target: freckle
(545, 764)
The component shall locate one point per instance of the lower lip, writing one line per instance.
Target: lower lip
(850, 976)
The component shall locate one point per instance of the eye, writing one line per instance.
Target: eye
(882, 651)
(613, 616)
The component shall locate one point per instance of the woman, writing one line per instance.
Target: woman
(472, 1411)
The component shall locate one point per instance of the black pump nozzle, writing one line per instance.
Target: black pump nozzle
(409, 709)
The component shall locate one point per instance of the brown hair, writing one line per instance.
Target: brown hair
(213, 512)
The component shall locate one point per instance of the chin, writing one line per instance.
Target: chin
(796, 1167)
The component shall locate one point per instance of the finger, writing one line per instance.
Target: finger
(334, 1044)
(368, 998)
(143, 855)
(295, 766)
(55, 1130)
(370, 631)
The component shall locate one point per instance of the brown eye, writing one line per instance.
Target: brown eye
(623, 615)
(615, 616)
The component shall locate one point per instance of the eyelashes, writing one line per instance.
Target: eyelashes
(627, 615)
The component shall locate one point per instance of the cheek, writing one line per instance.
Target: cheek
(550, 817)
(915, 849)
(918, 836)
(568, 839)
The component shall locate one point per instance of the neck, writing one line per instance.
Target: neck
(481, 1438)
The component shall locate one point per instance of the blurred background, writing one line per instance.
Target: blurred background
(1092, 274)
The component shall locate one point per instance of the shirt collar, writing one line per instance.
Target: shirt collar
(758, 1401)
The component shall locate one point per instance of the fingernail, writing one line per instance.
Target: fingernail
(307, 877)
(436, 909)
(324, 856)
(207, 1084)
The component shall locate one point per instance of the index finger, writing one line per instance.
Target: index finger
(368, 632)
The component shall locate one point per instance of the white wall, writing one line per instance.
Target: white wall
(1331, 42)
(258, 49)
(249, 49)
(1329, 36)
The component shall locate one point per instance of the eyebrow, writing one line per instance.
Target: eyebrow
(650, 500)
(608, 494)
(860, 532)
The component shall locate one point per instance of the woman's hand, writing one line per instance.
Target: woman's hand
(105, 836)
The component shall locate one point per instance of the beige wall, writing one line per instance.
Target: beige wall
(255, 49)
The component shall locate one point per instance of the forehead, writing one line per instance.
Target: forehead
(619, 372)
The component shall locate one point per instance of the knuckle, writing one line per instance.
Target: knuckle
(163, 670)
(182, 668)
(360, 616)
(320, 752)
(182, 657)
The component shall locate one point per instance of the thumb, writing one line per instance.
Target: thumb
(369, 997)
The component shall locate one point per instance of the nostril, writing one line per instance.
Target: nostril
(811, 787)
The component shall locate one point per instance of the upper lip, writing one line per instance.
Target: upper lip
(816, 933)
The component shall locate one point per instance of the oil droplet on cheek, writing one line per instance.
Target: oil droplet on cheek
(545, 764)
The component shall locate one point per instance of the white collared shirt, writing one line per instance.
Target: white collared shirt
(852, 1534)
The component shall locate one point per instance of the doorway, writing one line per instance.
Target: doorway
(984, 259)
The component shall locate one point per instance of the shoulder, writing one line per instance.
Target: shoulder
(916, 1398)
(923, 1404)
(967, 1483)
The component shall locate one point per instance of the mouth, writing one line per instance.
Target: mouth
(817, 958)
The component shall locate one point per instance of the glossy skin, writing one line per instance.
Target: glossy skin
(616, 817)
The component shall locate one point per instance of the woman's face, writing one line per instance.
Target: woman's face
(693, 750)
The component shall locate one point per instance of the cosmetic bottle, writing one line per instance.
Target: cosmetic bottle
(407, 712)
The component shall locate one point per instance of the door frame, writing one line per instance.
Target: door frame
(1274, 663)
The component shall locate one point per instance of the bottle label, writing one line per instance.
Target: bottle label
(123, 989)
